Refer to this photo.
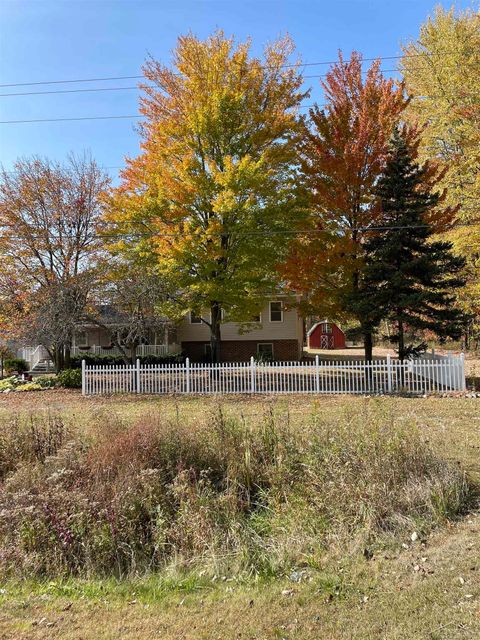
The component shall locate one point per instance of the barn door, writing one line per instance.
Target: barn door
(323, 342)
(330, 342)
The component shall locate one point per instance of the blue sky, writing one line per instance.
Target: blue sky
(46, 40)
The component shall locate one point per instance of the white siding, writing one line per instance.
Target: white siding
(289, 329)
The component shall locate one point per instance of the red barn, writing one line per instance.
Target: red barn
(326, 335)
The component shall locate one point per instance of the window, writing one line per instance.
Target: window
(194, 319)
(265, 351)
(81, 339)
(276, 312)
(327, 327)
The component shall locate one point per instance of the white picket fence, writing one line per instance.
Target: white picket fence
(337, 377)
(446, 375)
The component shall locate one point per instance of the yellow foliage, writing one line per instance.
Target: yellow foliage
(216, 179)
(442, 74)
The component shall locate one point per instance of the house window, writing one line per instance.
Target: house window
(194, 319)
(276, 312)
(265, 351)
(81, 339)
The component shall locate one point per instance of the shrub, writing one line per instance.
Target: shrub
(8, 384)
(90, 359)
(70, 378)
(17, 365)
(125, 499)
(29, 386)
(46, 382)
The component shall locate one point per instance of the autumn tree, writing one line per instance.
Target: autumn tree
(344, 151)
(127, 304)
(13, 306)
(215, 187)
(442, 74)
(409, 278)
(49, 217)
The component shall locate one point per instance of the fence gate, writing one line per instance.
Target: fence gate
(348, 377)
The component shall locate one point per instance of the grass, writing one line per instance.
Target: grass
(340, 588)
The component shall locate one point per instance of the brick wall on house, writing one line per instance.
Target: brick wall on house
(243, 350)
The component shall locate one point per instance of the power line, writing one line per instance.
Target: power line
(126, 117)
(70, 119)
(57, 91)
(2, 171)
(304, 106)
(153, 235)
(131, 87)
(304, 64)
(128, 88)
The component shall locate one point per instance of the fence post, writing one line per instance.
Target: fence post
(84, 382)
(187, 372)
(317, 374)
(463, 382)
(389, 373)
(252, 375)
(137, 372)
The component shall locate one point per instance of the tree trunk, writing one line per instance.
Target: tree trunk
(215, 331)
(133, 353)
(401, 341)
(58, 358)
(67, 356)
(368, 345)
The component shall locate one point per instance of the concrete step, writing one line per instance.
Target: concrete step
(44, 366)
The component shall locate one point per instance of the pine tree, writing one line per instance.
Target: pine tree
(410, 278)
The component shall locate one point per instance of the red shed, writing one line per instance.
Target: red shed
(326, 335)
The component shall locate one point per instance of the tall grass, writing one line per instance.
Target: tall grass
(213, 493)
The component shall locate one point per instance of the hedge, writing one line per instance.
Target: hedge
(91, 359)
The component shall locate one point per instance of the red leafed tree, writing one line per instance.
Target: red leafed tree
(344, 151)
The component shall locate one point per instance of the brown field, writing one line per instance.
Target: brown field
(427, 589)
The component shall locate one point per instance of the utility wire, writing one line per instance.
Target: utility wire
(304, 106)
(71, 119)
(153, 234)
(304, 64)
(137, 87)
(131, 87)
(127, 117)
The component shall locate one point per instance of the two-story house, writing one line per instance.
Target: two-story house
(276, 334)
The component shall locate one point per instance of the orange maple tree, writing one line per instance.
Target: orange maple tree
(344, 151)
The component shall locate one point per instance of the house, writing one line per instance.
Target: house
(326, 335)
(276, 334)
(97, 338)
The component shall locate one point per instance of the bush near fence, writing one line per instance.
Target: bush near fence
(91, 359)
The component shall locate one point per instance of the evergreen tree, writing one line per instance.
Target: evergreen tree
(410, 278)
